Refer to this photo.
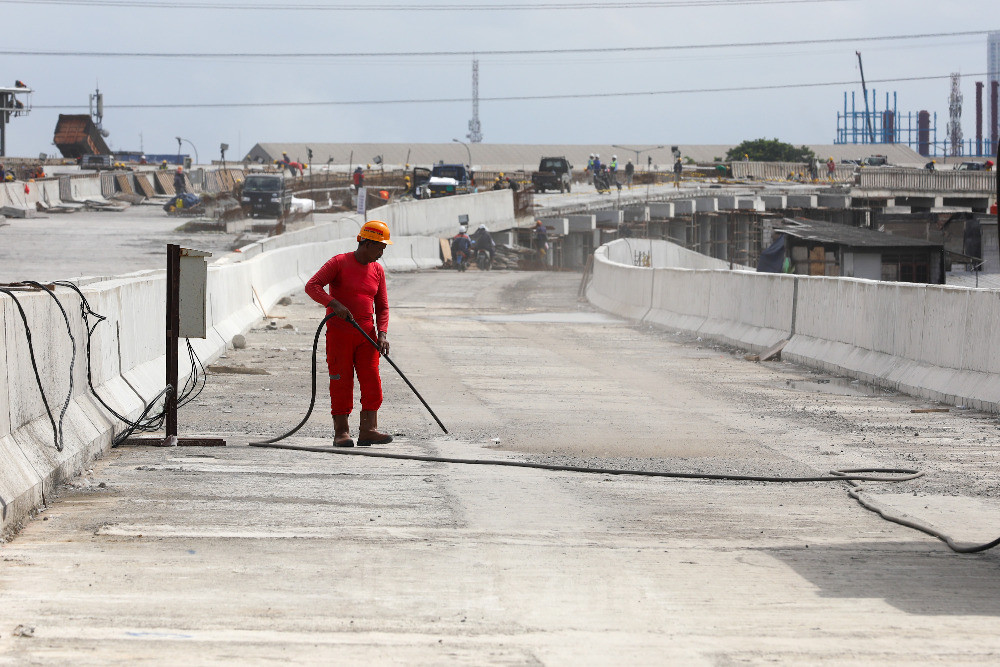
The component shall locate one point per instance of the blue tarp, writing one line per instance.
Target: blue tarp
(772, 260)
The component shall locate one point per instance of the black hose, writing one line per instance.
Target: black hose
(851, 476)
(312, 396)
(858, 474)
(855, 493)
(405, 379)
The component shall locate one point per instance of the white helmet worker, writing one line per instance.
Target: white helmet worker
(482, 226)
(614, 157)
(462, 229)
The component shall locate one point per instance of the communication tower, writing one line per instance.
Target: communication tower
(475, 134)
(955, 114)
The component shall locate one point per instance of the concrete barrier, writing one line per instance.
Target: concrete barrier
(883, 178)
(930, 341)
(128, 349)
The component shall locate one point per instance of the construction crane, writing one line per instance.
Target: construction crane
(864, 89)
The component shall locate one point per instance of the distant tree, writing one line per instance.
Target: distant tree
(769, 150)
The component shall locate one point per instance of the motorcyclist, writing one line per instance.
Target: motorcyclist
(461, 245)
(483, 240)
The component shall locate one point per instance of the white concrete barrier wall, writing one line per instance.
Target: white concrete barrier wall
(127, 355)
(930, 341)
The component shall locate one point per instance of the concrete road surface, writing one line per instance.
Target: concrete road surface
(245, 555)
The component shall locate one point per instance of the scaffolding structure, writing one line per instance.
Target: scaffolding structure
(918, 130)
(12, 105)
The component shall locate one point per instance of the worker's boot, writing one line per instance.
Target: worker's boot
(341, 432)
(369, 435)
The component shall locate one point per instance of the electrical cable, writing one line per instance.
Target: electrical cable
(72, 359)
(34, 366)
(145, 421)
(508, 98)
(417, 7)
(490, 52)
(139, 424)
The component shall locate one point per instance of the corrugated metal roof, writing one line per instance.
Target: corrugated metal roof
(854, 237)
(526, 156)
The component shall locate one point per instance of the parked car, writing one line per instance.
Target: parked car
(971, 166)
(265, 194)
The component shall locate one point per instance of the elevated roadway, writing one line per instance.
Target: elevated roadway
(250, 555)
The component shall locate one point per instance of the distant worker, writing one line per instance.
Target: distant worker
(357, 291)
(931, 166)
(590, 166)
(358, 178)
(629, 173)
(678, 168)
(746, 157)
(500, 183)
(461, 246)
(831, 168)
(407, 185)
(163, 166)
(541, 238)
(613, 166)
(989, 165)
(512, 185)
(19, 84)
(483, 240)
(180, 185)
(596, 168)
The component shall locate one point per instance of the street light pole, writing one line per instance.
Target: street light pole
(637, 151)
(179, 140)
(466, 150)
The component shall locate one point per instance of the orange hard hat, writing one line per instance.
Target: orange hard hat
(375, 230)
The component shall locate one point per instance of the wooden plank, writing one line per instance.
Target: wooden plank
(773, 352)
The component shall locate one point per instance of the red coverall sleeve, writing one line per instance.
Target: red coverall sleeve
(326, 275)
(382, 304)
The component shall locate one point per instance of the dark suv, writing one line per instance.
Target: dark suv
(265, 194)
(553, 174)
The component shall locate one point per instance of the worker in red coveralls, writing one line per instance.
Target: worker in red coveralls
(357, 290)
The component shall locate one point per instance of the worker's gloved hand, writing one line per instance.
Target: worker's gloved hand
(340, 310)
(383, 344)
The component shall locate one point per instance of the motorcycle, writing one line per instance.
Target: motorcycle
(483, 260)
(602, 181)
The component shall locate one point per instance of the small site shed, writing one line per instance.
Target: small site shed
(817, 248)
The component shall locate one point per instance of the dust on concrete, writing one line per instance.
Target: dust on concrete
(207, 554)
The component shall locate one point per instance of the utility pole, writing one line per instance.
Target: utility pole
(864, 89)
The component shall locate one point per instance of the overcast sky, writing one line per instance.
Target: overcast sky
(284, 85)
